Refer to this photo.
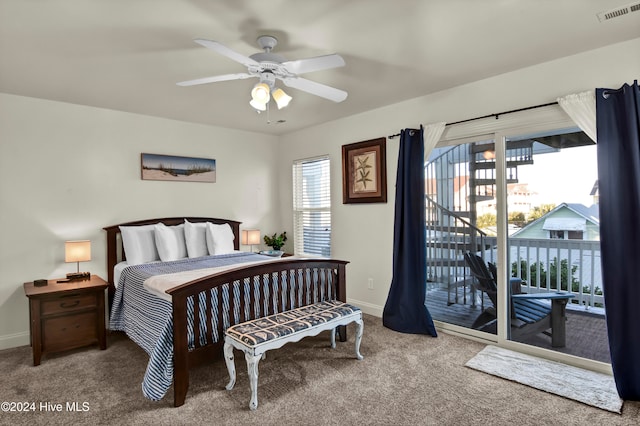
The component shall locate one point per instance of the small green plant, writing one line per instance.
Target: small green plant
(275, 242)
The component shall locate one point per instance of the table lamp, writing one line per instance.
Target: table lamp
(77, 251)
(250, 237)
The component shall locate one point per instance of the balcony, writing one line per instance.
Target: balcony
(451, 296)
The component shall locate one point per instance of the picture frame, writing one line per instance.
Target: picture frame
(176, 168)
(364, 172)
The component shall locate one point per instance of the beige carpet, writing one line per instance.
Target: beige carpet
(588, 387)
(403, 380)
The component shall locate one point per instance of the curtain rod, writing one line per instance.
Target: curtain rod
(496, 115)
(398, 134)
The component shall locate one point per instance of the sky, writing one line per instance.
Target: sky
(566, 176)
(175, 162)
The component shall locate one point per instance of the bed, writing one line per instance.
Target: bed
(177, 308)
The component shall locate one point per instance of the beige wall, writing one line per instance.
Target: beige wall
(66, 171)
(363, 234)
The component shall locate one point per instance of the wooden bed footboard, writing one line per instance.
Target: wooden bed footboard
(251, 292)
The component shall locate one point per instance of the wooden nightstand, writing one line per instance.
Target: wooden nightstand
(66, 315)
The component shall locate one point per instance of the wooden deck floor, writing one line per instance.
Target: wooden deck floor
(586, 332)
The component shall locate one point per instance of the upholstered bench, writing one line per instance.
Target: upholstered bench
(257, 336)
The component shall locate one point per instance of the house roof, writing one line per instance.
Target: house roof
(129, 55)
(591, 214)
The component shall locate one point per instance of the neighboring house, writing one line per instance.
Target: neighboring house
(519, 199)
(519, 196)
(568, 221)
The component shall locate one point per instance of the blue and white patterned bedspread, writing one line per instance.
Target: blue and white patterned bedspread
(147, 319)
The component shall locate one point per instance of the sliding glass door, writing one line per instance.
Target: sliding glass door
(554, 243)
(513, 234)
(461, 228)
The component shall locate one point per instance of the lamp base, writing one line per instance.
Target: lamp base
(78, 275)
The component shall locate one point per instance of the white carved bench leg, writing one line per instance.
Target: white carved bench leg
(252, 370)
(231, 367)
(333, 338)
(359, 331)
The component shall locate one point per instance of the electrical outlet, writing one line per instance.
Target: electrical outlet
(370, 283)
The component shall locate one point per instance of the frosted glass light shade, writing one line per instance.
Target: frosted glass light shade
(257, 105)
(281, 98)
(260, 93)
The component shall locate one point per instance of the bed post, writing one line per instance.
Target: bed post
(112, 259)
(180, 351)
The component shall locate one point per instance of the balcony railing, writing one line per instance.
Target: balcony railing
(543, 264)
(559, 265)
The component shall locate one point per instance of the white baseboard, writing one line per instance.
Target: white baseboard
(9, 341)
(367, 308)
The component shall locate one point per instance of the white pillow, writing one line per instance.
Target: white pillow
(139, 244)
(170, 242)
(195, 236)
(219, 239)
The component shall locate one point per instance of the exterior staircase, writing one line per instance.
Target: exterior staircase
(455, 182)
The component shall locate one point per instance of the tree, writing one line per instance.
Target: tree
(486, 220)
(539, 211)
(516, 218)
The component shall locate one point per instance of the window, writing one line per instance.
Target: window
(576, 235)
(312, 207)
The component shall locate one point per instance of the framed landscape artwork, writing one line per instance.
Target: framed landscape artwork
(364, 172)
(176, 168)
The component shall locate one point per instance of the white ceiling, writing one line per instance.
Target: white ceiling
(129, 55)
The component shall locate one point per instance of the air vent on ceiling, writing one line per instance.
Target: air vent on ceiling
(619, 11)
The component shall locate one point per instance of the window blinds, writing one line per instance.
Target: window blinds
(312, 207)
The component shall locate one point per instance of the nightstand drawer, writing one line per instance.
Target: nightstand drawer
(67, 332)
(67, 303)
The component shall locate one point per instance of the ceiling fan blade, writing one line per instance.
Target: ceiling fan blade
(317, 63)
(327, 92)
(224, 50)
(216, 78)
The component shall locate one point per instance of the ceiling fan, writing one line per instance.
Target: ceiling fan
(269, 67)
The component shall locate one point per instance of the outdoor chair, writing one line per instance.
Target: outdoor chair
(528, 316)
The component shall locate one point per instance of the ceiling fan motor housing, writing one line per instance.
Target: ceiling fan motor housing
(268, 77)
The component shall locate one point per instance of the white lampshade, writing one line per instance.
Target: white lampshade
(77, 251)
(260, 93)
(250, 237)
(281, 98)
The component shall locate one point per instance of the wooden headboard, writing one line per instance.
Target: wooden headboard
(115, 250)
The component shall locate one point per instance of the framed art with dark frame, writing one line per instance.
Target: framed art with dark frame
(364, 172)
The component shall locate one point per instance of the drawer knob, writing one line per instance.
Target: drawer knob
(69, 305)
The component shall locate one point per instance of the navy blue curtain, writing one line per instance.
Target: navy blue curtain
(618, 124)
(405, 310)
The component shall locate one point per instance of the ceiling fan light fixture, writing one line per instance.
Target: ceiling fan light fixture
(258, 106)
(281, 98)
(260, 93)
